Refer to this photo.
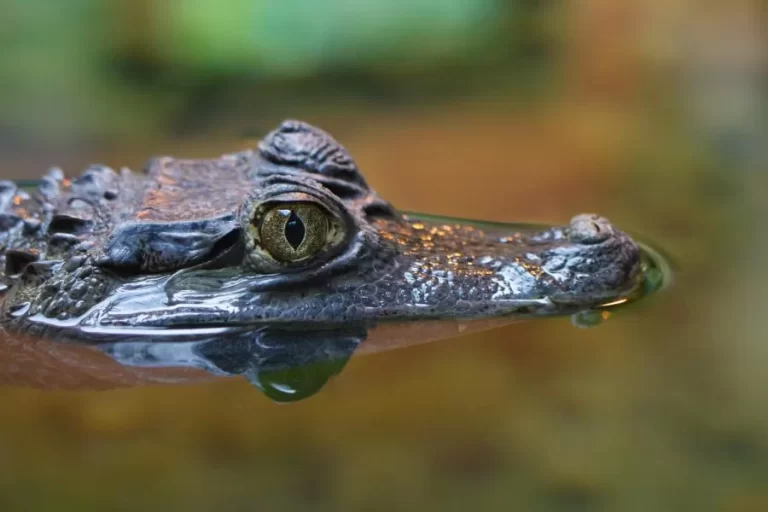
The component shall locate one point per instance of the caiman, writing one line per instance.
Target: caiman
(287, 234)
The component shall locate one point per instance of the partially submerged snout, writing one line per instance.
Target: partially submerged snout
(496, 269)
(597, 263)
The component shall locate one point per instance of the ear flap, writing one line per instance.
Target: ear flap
(162, 247)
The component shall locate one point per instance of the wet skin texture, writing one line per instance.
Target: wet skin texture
(178, 250)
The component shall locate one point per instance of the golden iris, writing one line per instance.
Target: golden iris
(294, 232)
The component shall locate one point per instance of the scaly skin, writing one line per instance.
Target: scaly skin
(121, 256)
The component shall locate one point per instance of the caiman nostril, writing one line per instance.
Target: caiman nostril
(590, 229)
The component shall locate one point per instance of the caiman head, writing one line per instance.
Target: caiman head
(289, 234)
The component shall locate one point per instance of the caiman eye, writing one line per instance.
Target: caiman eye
(294, 232)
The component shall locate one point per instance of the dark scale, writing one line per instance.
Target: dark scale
(294, 230)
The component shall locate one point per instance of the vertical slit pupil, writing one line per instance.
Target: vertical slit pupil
(294, 230)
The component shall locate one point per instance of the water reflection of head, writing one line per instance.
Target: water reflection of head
(285, 364)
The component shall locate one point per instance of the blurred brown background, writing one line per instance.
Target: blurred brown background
(649, 112)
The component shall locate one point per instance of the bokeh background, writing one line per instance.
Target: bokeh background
(651, 112)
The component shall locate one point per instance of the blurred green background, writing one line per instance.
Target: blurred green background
(650, 112)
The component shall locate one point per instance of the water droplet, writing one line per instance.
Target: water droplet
(589, 318)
